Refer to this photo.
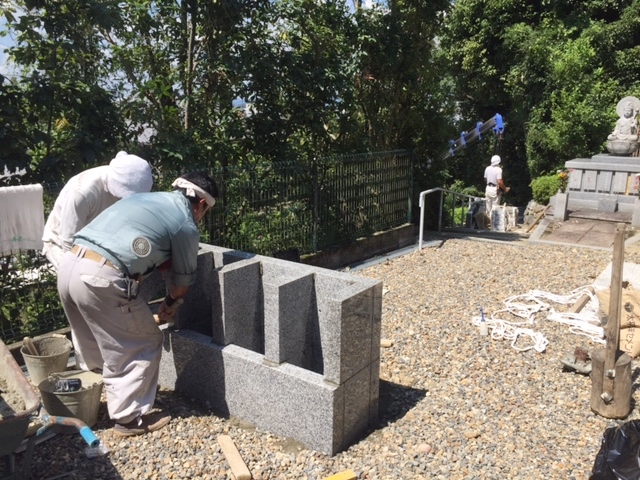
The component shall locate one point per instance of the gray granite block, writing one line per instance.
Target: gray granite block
(152, 287)
(609, 175)
(195, 313)
(286, 400)
(560, 204)
(376, 321)
(621, 183)
(603, 183)
(291, 319)
(238, 313)
(346, 312)
(635, 219)
(608, 204)
(357, 403)
(192, 364)
(374, 393)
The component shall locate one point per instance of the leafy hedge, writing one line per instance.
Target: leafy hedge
(543, 188)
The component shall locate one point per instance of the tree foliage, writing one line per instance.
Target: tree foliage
(555, 69)
(68, 120)
(164, 78)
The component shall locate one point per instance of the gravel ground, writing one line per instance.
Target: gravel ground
(454, 404)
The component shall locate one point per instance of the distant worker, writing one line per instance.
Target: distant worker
(86, 195)
(495, 185)
(99, 280)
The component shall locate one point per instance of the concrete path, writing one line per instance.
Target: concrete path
(586, 228)
(583, 228)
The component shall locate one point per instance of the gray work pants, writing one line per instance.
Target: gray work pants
(113, 333)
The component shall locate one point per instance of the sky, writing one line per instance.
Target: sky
(4, 42)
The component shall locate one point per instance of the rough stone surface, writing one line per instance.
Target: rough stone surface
(453, 405)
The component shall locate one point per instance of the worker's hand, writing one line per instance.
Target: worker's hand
(506, 190)
(166, 313)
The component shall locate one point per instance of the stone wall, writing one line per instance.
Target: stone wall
(291, 348)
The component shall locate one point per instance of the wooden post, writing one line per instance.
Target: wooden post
(610, 367)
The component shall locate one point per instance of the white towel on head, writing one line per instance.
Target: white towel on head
(21, 219)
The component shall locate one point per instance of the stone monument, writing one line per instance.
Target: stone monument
(609, 182)
(623, 141)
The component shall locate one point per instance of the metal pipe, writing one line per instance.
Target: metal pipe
(49, 421)
(440, 212)
(421, 203)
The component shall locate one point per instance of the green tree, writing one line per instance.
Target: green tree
(555, 70)
(69, 120)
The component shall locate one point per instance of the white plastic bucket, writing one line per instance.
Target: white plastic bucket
(512, 217)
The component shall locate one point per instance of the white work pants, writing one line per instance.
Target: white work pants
(112, 333)
(492, 198)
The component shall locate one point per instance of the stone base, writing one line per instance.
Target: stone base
(603, 182)
(622, 148)
(561, 202)
(282, 399)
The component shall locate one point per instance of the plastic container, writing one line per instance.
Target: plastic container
(498, 219)
(512, 217)
(484, 328)
(82, 404)
(54, 356)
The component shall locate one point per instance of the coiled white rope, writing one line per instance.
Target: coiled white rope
(527, 305)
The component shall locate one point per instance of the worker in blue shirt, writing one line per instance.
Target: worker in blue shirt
(112, 327)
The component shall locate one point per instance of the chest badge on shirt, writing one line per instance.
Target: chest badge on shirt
(141, 246)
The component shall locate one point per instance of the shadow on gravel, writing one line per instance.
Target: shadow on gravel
(395, 401)
(469, 233)
(64, 457)
(635, 376)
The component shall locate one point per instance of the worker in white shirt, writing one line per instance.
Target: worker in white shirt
(495, 184)
(86, 195)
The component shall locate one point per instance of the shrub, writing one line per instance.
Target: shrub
(545, 187)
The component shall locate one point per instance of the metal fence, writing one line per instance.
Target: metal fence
(310, 207)
(264, 209)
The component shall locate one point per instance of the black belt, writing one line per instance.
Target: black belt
(491, 185)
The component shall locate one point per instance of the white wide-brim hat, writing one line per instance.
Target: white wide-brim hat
(128, 174)
(495, 160)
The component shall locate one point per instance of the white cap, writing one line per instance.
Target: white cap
(495, 160)
(128, 174)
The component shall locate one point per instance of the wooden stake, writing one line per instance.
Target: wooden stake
(345, 475)
(610, 367)
(27, 342)
(238, 467)
(581, 302)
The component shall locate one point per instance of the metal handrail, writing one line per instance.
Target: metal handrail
(470, 199)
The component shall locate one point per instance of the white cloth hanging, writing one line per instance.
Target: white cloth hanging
(21, 219)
